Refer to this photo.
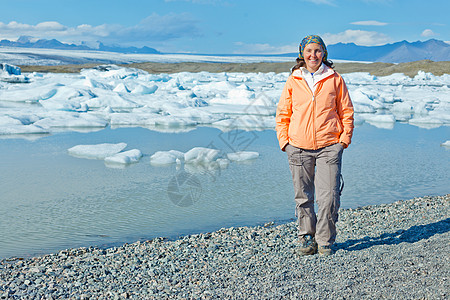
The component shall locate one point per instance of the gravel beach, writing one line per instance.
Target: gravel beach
(389, 251)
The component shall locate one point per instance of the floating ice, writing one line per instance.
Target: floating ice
(446, 144)
(99, 151)
(11, 74)
(242, 155)
(198, 159)
(118, 96)
(126, 157)
(200, 155)
(166, 157)
(61, 119)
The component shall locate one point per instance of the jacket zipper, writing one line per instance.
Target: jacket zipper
(314, 121)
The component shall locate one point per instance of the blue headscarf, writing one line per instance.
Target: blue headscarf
(313, 39)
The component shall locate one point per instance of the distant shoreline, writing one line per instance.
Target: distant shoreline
(378, 69)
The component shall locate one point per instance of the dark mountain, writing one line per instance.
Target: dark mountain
(399, 52)
(392, 53)
(25, 42)
(144, 49)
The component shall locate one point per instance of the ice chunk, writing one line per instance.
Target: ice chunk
(10, 69)
(144, 90)
(11, 125)
(98, 151)
(29, 95)
(111, 99)
(127, 157)
(166, 157)
(380, 121)
(446, 144)
(200, 155)
(121, 88)
(21, 129)
(242, 155)
(223, 163)
(63, 119)
(246, 122)
(402, 107)
(426, 122)
(12, 74)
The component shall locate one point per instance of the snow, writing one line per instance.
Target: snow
(115, 96)
(98, 151)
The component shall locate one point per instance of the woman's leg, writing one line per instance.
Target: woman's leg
(302, 163)
(327, 184)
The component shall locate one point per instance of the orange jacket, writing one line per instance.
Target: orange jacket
(312, 121)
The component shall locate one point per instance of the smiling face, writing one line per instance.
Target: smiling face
(313, 55)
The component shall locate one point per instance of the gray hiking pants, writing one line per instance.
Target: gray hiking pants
(316, 171)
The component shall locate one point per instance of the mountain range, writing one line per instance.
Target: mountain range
(25, 42)
(399, 52)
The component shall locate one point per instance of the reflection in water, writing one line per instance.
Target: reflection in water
(50, 200)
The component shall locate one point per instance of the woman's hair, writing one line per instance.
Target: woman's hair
(301, 63)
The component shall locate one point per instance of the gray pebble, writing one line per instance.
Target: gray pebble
(395, 251)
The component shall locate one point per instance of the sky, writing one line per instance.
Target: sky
(225, 26)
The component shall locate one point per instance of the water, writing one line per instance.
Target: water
(50, 200)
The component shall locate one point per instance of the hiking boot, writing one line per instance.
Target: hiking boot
(325, 250)
(308, 245)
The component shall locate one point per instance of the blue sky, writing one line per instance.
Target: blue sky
(225, 26)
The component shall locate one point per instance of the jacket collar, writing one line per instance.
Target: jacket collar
(323, 72)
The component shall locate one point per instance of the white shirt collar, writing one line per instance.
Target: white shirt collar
(319, 71)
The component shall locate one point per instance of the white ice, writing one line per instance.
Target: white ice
(242, 155)
(98, 151)
(12, 74)
(166, 157)
(126, 157)
(125, 97)
(446, 144)
(200, 159)
(201, 155)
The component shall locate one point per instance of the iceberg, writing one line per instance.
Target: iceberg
(126, 157)
(242, 155)
(199, 155)
(161, 158)
(98, 151)
(124, 97)
(12, 74)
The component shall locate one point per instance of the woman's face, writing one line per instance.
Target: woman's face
(313, 55)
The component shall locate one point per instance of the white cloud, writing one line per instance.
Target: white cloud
(243, 48)
(359, 37)
(428, 33)
(154, 28)
(50, 26)
(369, 23)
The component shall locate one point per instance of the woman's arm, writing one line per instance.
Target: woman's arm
(345, 112)
(283, 117)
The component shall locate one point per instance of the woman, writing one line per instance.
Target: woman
(314, 124)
